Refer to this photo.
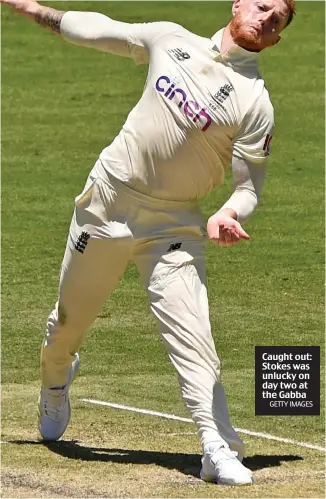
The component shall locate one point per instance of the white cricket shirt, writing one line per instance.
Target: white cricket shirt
(198, 107)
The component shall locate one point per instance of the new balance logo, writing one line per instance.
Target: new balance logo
(174, 247)
(81, 242)
(179, 54)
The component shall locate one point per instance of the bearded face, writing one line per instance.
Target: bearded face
(256, 24)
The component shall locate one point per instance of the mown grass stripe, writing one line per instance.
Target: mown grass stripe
(188, 420)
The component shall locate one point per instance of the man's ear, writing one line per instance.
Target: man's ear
(278, 39)
(235, 7)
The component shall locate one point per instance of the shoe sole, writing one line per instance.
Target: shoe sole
(213, 479)
(210, 479)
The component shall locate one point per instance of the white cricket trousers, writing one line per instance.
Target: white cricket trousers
(111, 225)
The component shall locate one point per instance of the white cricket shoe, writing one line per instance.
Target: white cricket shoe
(222, 466)
(54, 407)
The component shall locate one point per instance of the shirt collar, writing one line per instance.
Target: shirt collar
(235, 56)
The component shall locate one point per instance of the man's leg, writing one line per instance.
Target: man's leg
(96, 256)
(97, 253)
(178, 298)
(86, 281)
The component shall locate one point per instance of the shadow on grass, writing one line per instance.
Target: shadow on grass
(189, 464)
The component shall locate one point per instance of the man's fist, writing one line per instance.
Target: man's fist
(224, 230)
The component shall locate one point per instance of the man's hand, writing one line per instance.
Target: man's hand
(27, 8)
(224, 230)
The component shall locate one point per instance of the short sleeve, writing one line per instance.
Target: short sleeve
(252, 142)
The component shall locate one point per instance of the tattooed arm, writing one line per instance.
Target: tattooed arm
(49, 18)
(44, 16)
(97, 31)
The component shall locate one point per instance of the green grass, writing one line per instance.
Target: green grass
(61, 105)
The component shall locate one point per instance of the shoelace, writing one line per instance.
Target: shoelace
(227, 453)
(53, 410)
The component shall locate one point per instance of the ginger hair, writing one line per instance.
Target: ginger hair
(291, 7)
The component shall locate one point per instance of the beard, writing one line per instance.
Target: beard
(243, 35)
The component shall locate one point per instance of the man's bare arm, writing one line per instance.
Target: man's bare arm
(44, 16)
(49, 18)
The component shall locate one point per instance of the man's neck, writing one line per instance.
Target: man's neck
(227, 40)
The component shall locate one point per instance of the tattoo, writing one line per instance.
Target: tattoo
(49, 18)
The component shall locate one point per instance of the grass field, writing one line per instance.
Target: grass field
(61, 105)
